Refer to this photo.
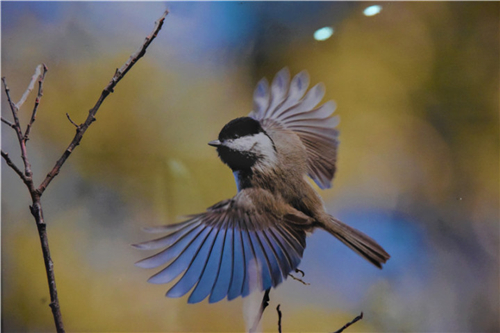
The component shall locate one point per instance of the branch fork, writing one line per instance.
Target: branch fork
(27, 175)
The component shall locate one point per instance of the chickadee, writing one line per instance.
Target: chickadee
(271, 152)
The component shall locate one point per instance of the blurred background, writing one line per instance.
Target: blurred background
(416, 84)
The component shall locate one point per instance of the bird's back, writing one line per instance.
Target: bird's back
(290, 179)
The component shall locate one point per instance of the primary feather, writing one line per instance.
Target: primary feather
(290, 110)
(213, 250)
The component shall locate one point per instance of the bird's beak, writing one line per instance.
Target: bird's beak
(214, 143)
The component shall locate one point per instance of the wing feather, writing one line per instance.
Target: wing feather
(196, 268)
(250, 259)
(267, 278)
(182, 261)
(166, 241)
(168, 228)
(292, 254)
(261, 96)
(292, 241)
(271, 257)
(208, 276)
(225, 271)
(314, 126)
(172, 251)
(238, 266)
(322, 112)
(298, 88)
(281, 255)
(313, 123)
(228, 251)
(264, 265)
(297, 235)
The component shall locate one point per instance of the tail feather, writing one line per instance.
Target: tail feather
(360, 243)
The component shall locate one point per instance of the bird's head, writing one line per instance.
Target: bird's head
(244, 145)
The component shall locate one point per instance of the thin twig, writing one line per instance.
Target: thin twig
(14, 167)
(41, 77)
(12, 106)
(138, 54)
(71, 121)
(38, 72)
(17, 127)
(7, 92)
(92, 112)
(279, 317)
(8, 123)
(350, 323)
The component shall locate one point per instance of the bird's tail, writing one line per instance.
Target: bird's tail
(360, 243)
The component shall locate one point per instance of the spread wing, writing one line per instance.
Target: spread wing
(218, 250)
(284, 104)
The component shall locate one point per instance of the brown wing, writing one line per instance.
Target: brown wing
(217, 249)
(284, 104)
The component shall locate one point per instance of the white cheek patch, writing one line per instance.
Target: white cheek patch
(258, 144)
(242, 144)
(265, 148)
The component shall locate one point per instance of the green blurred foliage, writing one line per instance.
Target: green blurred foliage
(417, 89)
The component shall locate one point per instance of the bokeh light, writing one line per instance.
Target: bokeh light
(323, 33)
(372, 10)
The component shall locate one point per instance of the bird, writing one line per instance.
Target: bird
(260, 233)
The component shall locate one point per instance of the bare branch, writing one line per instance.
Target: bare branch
(92, 112)
(37, 101)
(38, 72)
(13, 166)
(20, 137)
(8, 123)
(13, 107)
(71, 121)
(37, 212)
(138, 54)
(350, 323)
(36, 193)
(7, 92)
